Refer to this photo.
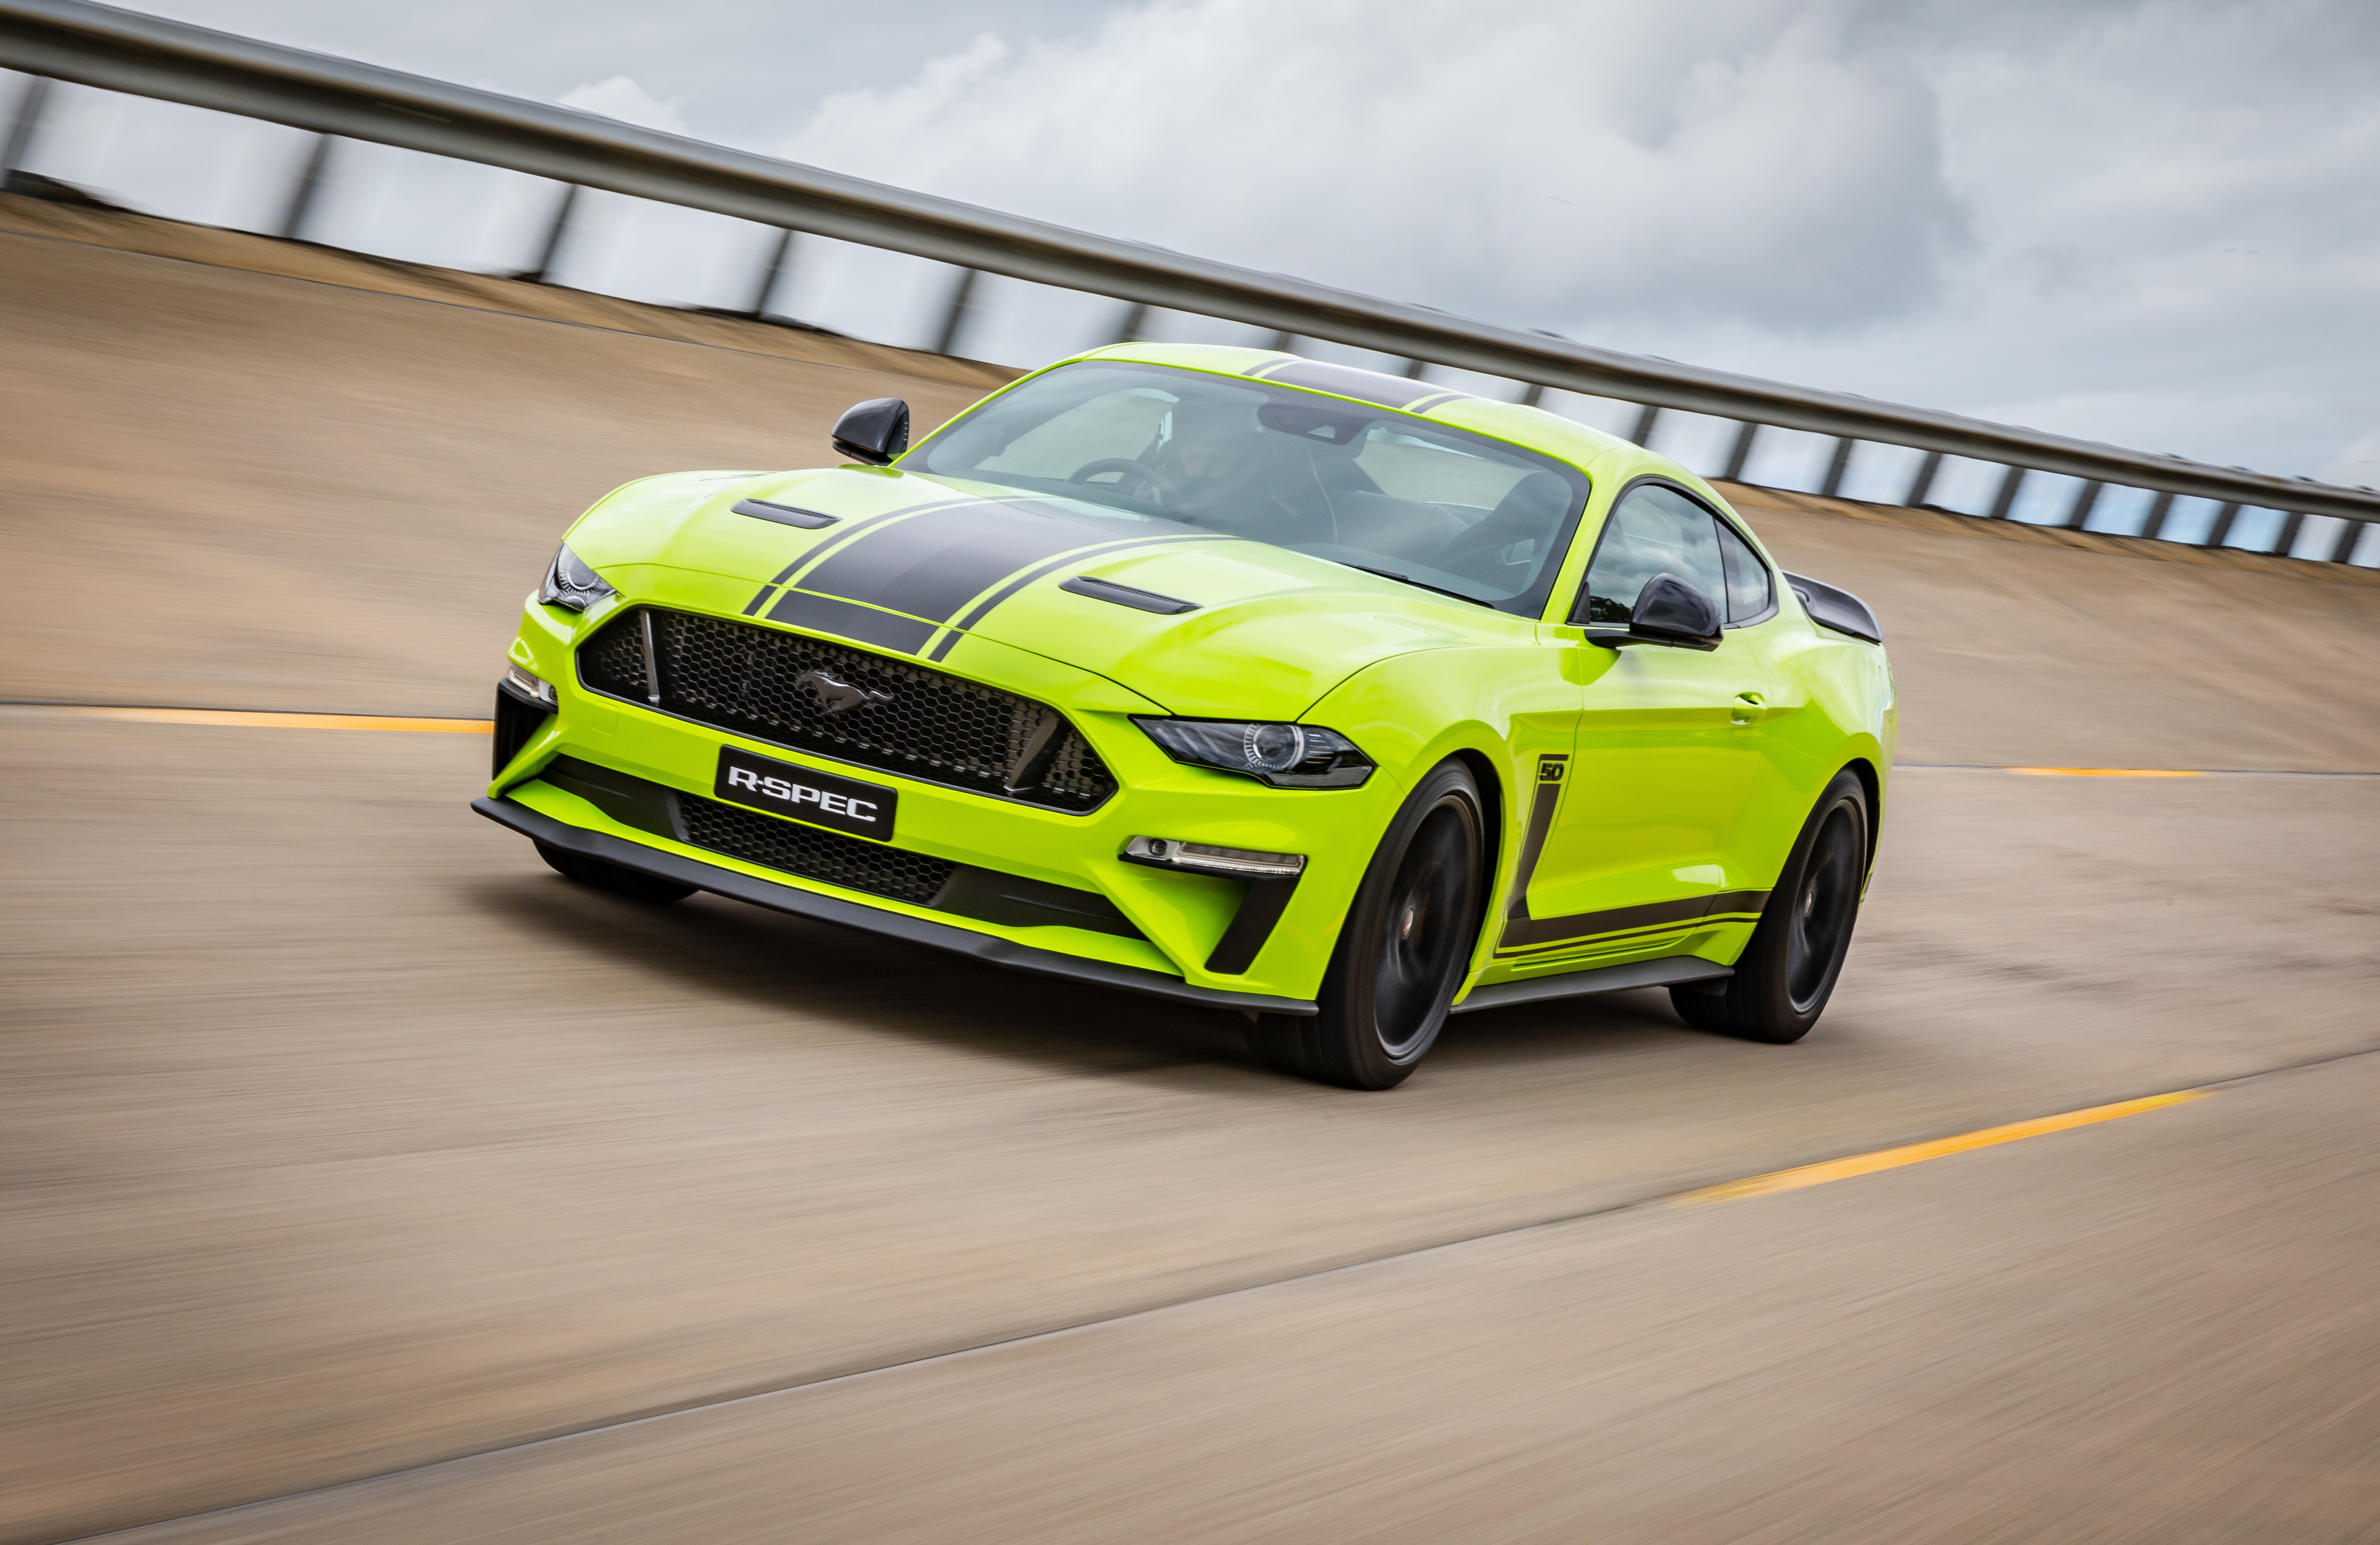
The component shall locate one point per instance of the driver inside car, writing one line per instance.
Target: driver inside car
(1220, 468)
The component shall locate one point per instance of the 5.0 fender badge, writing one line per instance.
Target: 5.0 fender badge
(836, 698)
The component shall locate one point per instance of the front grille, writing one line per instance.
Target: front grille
(777, 686)
(849, 862)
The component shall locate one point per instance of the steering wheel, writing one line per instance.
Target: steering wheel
(1134, 472)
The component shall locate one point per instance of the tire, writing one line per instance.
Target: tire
(1788, 971)
(1402, 952)
(618, 879)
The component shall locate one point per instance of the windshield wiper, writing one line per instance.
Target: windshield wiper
(1416, 584)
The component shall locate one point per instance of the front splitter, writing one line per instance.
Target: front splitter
(987, 947)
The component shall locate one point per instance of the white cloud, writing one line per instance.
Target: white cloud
(622, 98)
(1568, 159)
(2154, 221)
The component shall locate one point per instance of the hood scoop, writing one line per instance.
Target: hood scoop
(783, 514)
(1127, 594)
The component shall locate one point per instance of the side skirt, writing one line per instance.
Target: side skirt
(1667, 972)
(986, 948)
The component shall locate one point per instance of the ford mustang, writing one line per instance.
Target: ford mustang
(1344, 701)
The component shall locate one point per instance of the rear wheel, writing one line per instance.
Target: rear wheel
(603, 874)
(1781, 985)
(1402, 952)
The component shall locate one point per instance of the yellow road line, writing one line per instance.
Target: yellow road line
(243, 719)
(2103, 772)
(1893, 1158)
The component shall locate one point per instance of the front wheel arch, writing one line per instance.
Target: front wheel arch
(1403, 949)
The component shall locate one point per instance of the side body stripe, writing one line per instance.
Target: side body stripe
(1651, 918)
(1527, 934)
(1550, 770)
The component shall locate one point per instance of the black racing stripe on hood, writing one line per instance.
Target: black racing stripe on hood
(886, 629)
(852, 533)
(932, 563)
(771, 588)
(982, 609)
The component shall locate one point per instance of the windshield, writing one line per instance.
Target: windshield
(1367, 486)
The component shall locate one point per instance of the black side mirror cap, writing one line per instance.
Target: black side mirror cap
(1838, 610)
(1669, 611)
(874, 431)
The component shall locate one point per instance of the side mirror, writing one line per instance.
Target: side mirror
(874, 431)
(1668, 610)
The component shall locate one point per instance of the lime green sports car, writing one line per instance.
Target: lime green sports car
(1342, 700)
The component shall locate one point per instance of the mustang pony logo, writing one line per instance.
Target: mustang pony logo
(837, 698)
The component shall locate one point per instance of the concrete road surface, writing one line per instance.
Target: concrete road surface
(340, 1138)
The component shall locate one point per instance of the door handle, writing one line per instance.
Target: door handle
(1749, 707)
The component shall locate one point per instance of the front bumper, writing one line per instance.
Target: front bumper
(1171, 926)
(821, 908)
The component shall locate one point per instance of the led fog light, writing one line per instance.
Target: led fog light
(1239, 864)
(529, 688)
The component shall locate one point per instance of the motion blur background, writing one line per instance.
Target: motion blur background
(2154, 222)
(362, 1180)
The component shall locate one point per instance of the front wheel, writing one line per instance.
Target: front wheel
(1788, 971)
(1402, 953)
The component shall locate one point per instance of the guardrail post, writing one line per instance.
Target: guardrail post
(2290, 524)
(2080, 511)
(2350, 534)
(1645, 418)
(2222, 526)
(1739, 455)
(26, 123)
(1838, 467)
(1413, 369)
(1130, 326)
(1922, 486)
(955, 315)
(1280, 343)
(550, 253)
(311, 177)
(780, 261)
(1533, 393)
(2005, 501)
(2155, 525)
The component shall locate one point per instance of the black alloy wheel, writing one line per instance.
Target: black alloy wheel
(1402, 950)
(603, 874)
(1788, 971)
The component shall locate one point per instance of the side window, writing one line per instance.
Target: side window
(1654, 530)
(1750, 592)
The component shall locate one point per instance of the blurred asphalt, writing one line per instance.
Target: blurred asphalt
(339, 1138)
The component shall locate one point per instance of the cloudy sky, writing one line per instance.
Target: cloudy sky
(2152, 222)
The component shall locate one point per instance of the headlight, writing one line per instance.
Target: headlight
(570, 583)
(1285, 755)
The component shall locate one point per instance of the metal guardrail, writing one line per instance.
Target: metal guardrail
(123, 51)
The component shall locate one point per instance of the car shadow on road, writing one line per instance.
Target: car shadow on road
(856, 980)
(789, 965)
(1560, 1029)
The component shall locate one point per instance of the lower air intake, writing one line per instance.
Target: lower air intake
(826, 856)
